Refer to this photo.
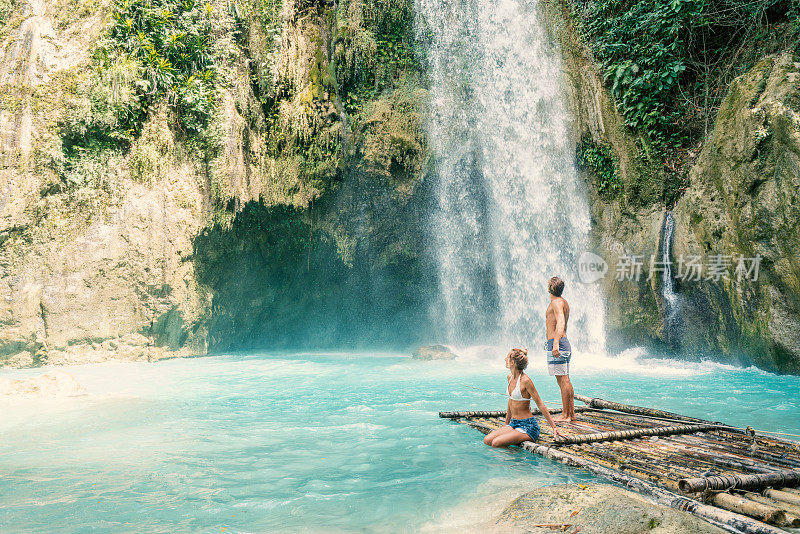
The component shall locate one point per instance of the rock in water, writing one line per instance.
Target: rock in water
(596, 509)
(48, 385)
(433, 352)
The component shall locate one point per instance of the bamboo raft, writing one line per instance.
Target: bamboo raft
(737, 479)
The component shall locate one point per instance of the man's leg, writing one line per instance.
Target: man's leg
(567, 399)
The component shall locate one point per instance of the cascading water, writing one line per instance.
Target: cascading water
(671, 299)
(511, 209)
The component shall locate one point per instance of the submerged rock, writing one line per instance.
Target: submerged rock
(48, 385)
(433, 352)
(596, 509)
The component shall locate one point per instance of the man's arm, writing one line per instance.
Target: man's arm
(561, 325)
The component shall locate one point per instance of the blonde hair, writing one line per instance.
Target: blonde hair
(519, 357)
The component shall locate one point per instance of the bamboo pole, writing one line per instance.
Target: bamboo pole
(792, 512)
(637, 410)
(765, 452)
(740, 505)
(782, 496)
(456, 415)
(795, 491)
(631, 434)
(759, 481)
(502, 413)
(651, 412)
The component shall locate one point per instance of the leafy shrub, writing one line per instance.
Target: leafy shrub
(601, 161)
(107, 108)
(6, 8)
(173, 42)
(669, 63)
(374, 48)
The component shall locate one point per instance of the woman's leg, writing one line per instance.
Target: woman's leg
(495, 433)
(515, 437)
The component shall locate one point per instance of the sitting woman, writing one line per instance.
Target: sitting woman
(520, 424)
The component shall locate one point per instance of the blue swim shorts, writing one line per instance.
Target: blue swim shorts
(558, 366)
(526, 426)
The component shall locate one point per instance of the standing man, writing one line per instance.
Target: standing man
(558, 348)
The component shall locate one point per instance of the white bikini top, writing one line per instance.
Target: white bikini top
(516, 394)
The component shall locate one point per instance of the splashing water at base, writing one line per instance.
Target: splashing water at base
(313, 442)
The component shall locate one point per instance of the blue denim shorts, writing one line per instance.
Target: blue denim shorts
(526, 426)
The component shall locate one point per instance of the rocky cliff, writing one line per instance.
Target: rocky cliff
(177, 178)
(133, 136)
(744, 204)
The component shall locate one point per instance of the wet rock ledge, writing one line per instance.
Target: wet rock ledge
(594, 509)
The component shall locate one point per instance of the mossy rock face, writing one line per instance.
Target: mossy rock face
(744, 200)
(278, 137)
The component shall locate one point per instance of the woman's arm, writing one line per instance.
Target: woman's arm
(508, 412)
(540, 403)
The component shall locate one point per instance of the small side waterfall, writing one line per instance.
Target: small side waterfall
(511, 210)
(672, 318)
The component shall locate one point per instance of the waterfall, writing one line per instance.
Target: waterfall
(511, 209)
(671, 300)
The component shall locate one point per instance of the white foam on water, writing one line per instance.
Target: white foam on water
(634, 361)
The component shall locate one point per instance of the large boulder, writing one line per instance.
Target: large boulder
(595, 509)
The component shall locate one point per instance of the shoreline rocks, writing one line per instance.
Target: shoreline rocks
(47, 385)
(133, 347)
(594, 509)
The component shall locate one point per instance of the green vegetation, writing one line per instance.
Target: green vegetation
(172, 40)
(310, 88)
(158, 56)
(669, 63)
(325, 76)
(6, 9)
(602, 162)
(374, 48)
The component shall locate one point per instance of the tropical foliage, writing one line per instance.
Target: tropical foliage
(172, 41)
(668, 63)
(599, 158)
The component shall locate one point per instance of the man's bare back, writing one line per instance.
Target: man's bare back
(557, 304)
